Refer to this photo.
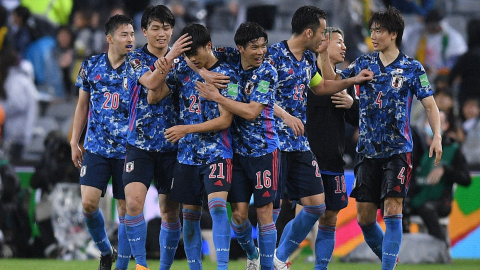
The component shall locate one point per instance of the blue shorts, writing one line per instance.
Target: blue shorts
(336, 197)
(97, 170)
(257, 176)
(192, 181)
(145, 167)
(379, 178)
(300, 175)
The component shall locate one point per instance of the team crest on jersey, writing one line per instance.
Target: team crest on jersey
(397, 81)
(308, 70)
(83, 171)
(129, 166)
(81, 72)
(135, 64)
(125, 83)
(249, 87)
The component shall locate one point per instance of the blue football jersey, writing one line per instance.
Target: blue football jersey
(201, 148)
(385, 103)
(147, 123)
(291, 95)
(108, 113)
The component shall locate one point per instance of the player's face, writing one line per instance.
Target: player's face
(382, 40)
(158, 34)
(253, 53)
(202, 57)
(336, 48)
(123, 39)
(316, 37)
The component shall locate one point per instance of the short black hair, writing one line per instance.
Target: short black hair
(390, 20)
(116, 21)
(200, 36)
(249, 32)
(307, 17)
(22, 12)
(159, 13)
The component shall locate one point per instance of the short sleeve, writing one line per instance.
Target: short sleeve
(136, 66)
(82, 78)
(352, 70)
(421, 86)
(264, 87)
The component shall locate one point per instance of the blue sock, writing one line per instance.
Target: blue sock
(192, 238)
(243, 233)
(285, 232)
(96, 227)
(276, 213)
(300, 227)
(266, 243)
(221, 227)
(324, 245)
(391, 241)
(124, 252)
(373, 235)
(137, 236)
(168, 239)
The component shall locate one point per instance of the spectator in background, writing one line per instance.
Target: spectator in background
(5, 39)
(434, 43)
(64, 55)
(445, 103)
(23, 36)
(433, 192)
(467, 69)
(421, 8)
(470, 113)
(19, 99)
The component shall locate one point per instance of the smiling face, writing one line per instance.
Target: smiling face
(158, 34)
(336, 48)
(122, 40)
(253, 53)
(382, 39)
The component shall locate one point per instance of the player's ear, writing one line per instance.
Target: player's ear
(109, 38)
(308, 33)
(240, 48)
(209, 46)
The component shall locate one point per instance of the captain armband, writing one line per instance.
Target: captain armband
(315, 80)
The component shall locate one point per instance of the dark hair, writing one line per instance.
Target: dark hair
(115, 22)
(249, 32)
(434, 16)
(307, 17)
(8, 59)
(200, 36)
(473, 32)
(3, 16)
(22, 12)
(390, 20)
(159, 13)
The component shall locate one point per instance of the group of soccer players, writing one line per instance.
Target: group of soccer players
(229, 123)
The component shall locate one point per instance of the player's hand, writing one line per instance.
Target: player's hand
(180, 46)
(363, 76)
(207, 91)
(322, 48)
(436, 147)
(175, 133)
(295, 124)
(342, 100)
(77, 156)
(162, 65)
(218, 79)
(435, 175)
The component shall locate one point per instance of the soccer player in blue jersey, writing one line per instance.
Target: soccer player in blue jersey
(149, 155)
(103, 102)
(255, 144)
(294, 60)
(204, 159)
(383, 170)
(326, 117)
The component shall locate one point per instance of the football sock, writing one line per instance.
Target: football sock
(266, 243)
(96, 227)
(221, 229)
(168, 239)
(373, 235)
(192, 238)
(243, 233)
(276, 213)
(137, 236)
(324, 245)
(124, 252)
(391, 241)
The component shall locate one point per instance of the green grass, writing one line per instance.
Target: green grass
(32, 264)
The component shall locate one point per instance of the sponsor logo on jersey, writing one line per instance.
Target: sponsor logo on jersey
(83, 171)
(98, 77)
(135, 64)
(397, 81)
(129, 166)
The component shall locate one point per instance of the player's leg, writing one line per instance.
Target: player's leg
(304, 181)
(217, 178)
(397, 172)
(171, 228)
(137, 176)
(124, 251)
(94, 176)
(336, 198)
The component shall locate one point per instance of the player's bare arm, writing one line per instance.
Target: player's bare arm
(155, 96)
(292, 122)
(249, 111)
(79, 121)
(323, 60)
(330, 87)
(218, 79)
(434, 120)
(222, 122)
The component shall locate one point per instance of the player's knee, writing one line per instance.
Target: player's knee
(134, 207)
(329, 218)
(239, 217)
(89, 206)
